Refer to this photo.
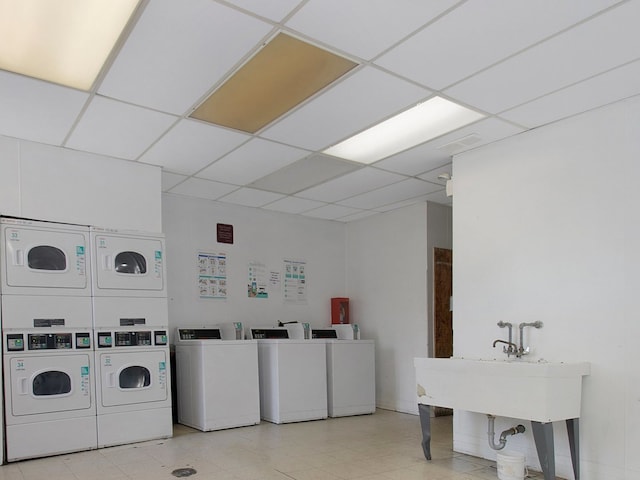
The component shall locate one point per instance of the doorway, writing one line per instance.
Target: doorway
(442, 311)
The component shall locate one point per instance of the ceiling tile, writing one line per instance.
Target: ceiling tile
(178, 51)
(332, 212)
(364, 27)
(205, 142)
(37, 110)
(405, 190)
(251, 161)
(118, 129)
(431, 155)
(305, 173)
(600, 44)
(510, 27)
(293, 205)
(250, 197)
(348, 107)
(170, 180)
(606, 88)
(357, 216)
(197, 187)
(274, 10)
(432, 175)
(355, 183)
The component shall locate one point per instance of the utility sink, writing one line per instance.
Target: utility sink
(538, 391)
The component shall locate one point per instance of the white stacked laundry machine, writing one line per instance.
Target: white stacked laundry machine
(47, 338)
(133, 381)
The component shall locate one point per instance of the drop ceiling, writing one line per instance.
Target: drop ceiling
(520, 63)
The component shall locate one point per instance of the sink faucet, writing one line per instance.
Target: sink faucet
(521, 350)
(511, 348)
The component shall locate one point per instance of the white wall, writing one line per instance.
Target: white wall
(387, 286)
(50, 183)
(546, 228)
(265, 237)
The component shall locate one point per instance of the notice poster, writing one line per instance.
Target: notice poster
(212, 275)
(257, 285)
(295, 281)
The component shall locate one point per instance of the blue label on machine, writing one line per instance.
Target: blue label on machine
(158, 255)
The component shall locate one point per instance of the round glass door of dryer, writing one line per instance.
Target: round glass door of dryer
(131, 263)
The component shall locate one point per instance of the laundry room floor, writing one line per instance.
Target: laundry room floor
(382, 446)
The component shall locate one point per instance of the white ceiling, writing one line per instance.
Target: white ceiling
(522, 63)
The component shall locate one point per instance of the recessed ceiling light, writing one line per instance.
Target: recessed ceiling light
(284, 73)
(62, 41)
(419, 124)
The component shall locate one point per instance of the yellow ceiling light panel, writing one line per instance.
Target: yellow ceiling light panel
(62, 41)
(284, 73)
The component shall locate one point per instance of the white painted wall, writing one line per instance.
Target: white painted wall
(50, 183)
(387, 287)
(546, 228)
(265, 237)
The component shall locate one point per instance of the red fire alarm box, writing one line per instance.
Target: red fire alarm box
(339, 310)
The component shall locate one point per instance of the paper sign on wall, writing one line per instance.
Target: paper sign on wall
(212, 275)
(295, 281)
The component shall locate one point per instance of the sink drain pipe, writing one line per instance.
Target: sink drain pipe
(502, 442)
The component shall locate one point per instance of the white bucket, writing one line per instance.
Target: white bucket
(510, 466)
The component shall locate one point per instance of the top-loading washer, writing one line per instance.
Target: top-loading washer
(44, 258)
(293, 376)
(217, 380)
(127, 263)
(351, 375)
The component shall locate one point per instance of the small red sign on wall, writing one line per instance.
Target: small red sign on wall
(225, 233)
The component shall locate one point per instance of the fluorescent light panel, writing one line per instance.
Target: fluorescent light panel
(433, 118)
(61, 41)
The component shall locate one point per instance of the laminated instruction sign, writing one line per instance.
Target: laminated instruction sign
(212, 275)
(295, 281)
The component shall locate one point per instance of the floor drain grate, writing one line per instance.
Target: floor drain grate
(183, 472)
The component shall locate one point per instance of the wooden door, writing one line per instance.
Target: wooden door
(442, 315)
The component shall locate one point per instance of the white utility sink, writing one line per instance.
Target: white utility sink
(538, 391)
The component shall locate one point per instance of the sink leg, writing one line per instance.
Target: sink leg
(574, 445)
(543, 436)
(425, 425)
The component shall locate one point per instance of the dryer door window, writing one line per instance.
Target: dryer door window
(47, 257)
(52, 382)
(131, 263)
(134, 377)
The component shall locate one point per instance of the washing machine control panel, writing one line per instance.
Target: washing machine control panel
(15, 342)
(145, 338)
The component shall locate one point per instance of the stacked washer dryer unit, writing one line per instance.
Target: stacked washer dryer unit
(133, 381)
(216, 377)
(47, 338)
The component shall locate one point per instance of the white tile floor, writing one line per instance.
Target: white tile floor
(382, 446)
